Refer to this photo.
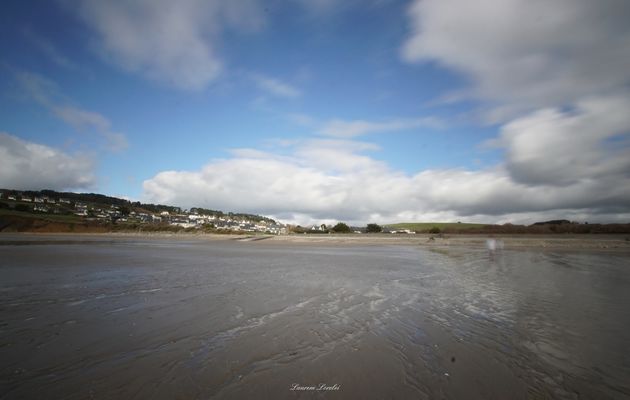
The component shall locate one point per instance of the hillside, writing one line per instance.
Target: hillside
(545, 227)
(442, 226)
(51, 211)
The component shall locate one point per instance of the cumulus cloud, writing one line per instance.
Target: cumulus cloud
(322, 180)
(554, 76)
(557, 148)
(45, 92)
(171, 42)
(525, 54)
(26, 165)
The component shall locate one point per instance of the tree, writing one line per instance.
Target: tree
(298, 229)
(373, 228)
(435, 229)
(341, 228)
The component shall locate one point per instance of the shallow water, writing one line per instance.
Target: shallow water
(159, 319)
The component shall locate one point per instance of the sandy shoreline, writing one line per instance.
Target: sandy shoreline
(568, 242)
(227, 317)
(605, 242)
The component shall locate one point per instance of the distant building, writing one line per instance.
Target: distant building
(407, 231)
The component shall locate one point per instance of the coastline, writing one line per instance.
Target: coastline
(576, 242)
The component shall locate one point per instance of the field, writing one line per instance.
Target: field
(45, 217)
(426, 226)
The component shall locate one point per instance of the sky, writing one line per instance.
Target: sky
(316, 111)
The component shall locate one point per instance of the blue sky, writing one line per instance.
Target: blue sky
(324, 110)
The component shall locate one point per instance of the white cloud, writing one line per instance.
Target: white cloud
(525, 54)
(45, 92)
(557, 148)
(323, 180)
(275, 87)
(349, 129)
(171, 42)
(27, 165)
(554, 75)
(561, 95)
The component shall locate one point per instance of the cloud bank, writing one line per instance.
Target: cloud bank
(26, 165)
(553, 75)
(523, 54)
(323, 180)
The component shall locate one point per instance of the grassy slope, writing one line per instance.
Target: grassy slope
(425, 226)
(47, 217)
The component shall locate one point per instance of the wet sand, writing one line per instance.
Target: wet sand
(556, 242)
(572, 242)
(188, 317)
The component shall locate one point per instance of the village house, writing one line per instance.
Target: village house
(81, 209)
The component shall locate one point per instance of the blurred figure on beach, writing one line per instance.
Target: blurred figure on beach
(493, 245)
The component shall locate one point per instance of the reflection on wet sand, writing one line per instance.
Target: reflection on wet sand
(231, 319)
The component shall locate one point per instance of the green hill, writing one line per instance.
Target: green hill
(442, 226)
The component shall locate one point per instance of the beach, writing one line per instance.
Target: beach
(356, 316)
(574, 242)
